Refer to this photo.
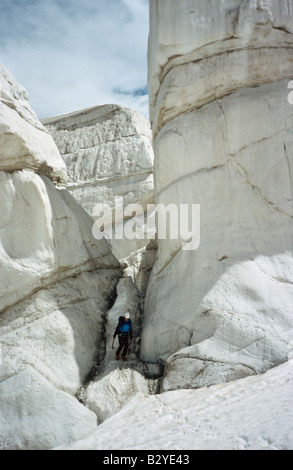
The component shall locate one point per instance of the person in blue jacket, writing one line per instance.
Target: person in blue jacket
(124, 332)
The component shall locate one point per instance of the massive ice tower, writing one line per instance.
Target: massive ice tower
(222, 127)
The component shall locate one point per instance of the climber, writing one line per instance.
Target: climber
(124, 332)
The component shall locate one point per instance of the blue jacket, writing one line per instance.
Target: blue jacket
(124, 328)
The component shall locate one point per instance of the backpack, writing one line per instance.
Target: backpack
(123, 326)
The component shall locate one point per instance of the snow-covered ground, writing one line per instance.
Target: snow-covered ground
(255, 413)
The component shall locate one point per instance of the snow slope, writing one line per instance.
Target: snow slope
(255, 413)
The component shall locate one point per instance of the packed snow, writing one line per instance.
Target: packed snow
(255, 413)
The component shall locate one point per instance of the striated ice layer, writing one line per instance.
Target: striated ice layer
(222, 124)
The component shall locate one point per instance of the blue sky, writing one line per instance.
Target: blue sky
(73, 54)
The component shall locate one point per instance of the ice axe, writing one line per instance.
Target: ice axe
(113, 343)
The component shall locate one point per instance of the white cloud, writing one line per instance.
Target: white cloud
(72, 54)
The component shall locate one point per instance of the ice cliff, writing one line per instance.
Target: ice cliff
(222, 125)
(57, 283)
(108, 152)
(217, 320)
